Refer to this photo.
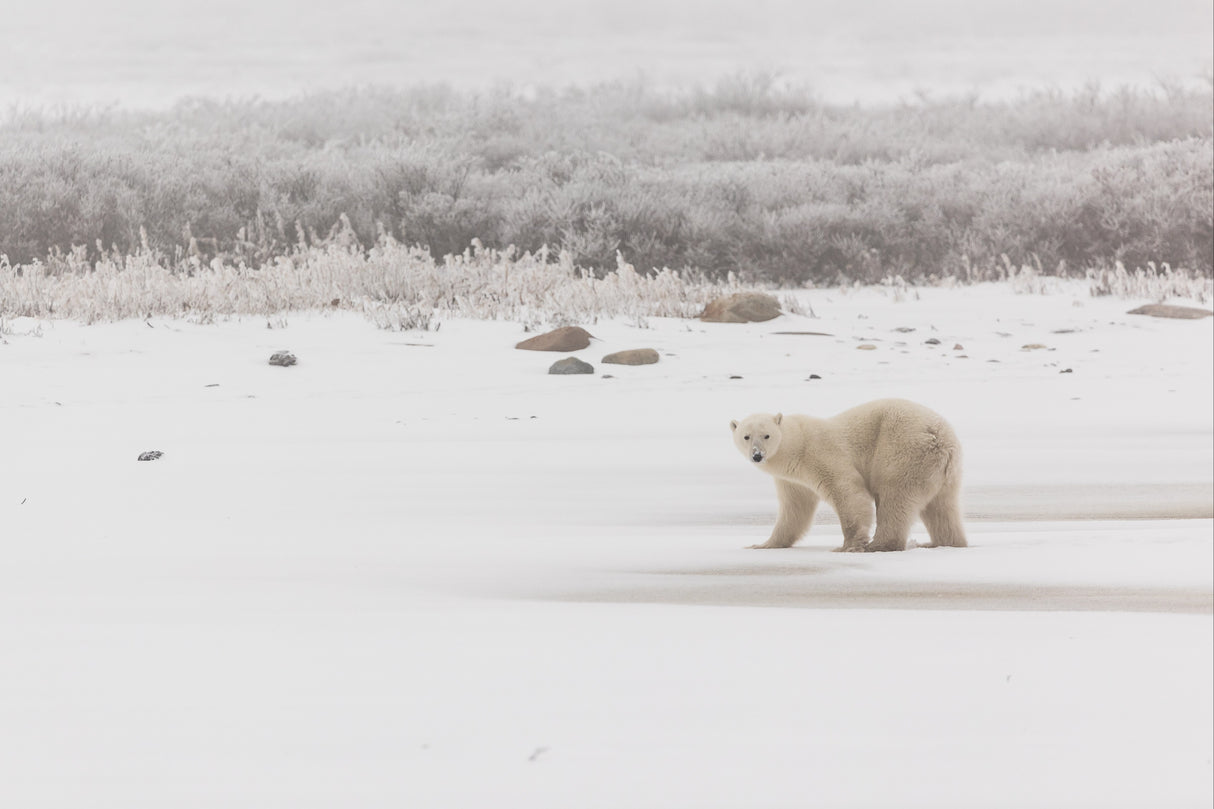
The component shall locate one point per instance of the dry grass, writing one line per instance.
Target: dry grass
(405, 288)
(396, 286)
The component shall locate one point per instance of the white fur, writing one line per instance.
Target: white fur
(893, 454)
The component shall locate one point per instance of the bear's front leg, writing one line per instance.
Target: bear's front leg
(854, 506)
(797, 506)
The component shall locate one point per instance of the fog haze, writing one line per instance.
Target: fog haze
(149, 54)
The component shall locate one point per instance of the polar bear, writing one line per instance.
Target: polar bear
(893, 453)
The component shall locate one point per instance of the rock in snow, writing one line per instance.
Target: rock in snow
(567, 338)
(150, 455)
(1170, 310)
(571, 365)
(283, 358)
(741, 307)
(635, 356)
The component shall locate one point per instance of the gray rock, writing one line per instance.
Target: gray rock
(634, 356)
(571, 365)
(283, 358)
(1169, 310)
(150, 455)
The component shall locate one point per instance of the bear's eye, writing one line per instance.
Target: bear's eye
(745, 438)
(766, 437)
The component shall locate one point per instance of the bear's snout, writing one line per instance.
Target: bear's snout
(756, 456)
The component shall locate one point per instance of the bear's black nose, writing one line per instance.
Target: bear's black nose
(756, 457)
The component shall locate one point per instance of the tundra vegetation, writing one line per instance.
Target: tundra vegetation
(525, 205)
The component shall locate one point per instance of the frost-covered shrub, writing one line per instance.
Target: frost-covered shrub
(748, 176)
(396, 286)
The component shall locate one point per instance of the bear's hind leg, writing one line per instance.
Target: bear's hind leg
(895, 516)
(942, 517)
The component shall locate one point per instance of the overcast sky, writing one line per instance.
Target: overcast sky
(152, 52)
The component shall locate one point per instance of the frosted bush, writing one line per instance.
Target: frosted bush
(1153, 283)
(396, 286)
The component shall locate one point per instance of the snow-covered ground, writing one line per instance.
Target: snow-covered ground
(416, 570)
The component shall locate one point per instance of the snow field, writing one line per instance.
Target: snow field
(373, 579)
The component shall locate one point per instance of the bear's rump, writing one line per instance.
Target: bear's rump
(911, 463)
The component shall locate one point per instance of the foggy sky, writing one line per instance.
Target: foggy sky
(150, 52)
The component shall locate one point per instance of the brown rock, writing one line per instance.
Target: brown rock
(635, 356)
(866, 347)
(1168, 310)
(741, 307)
(566, 338)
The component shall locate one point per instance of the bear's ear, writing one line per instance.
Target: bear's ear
(733, 425)
(779, 417)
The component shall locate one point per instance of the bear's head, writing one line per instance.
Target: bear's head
(758, 436)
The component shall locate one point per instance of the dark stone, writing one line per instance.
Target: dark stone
(150, 455)
(283, 358)
(932, 341)
(814, 376)
(571, 365)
